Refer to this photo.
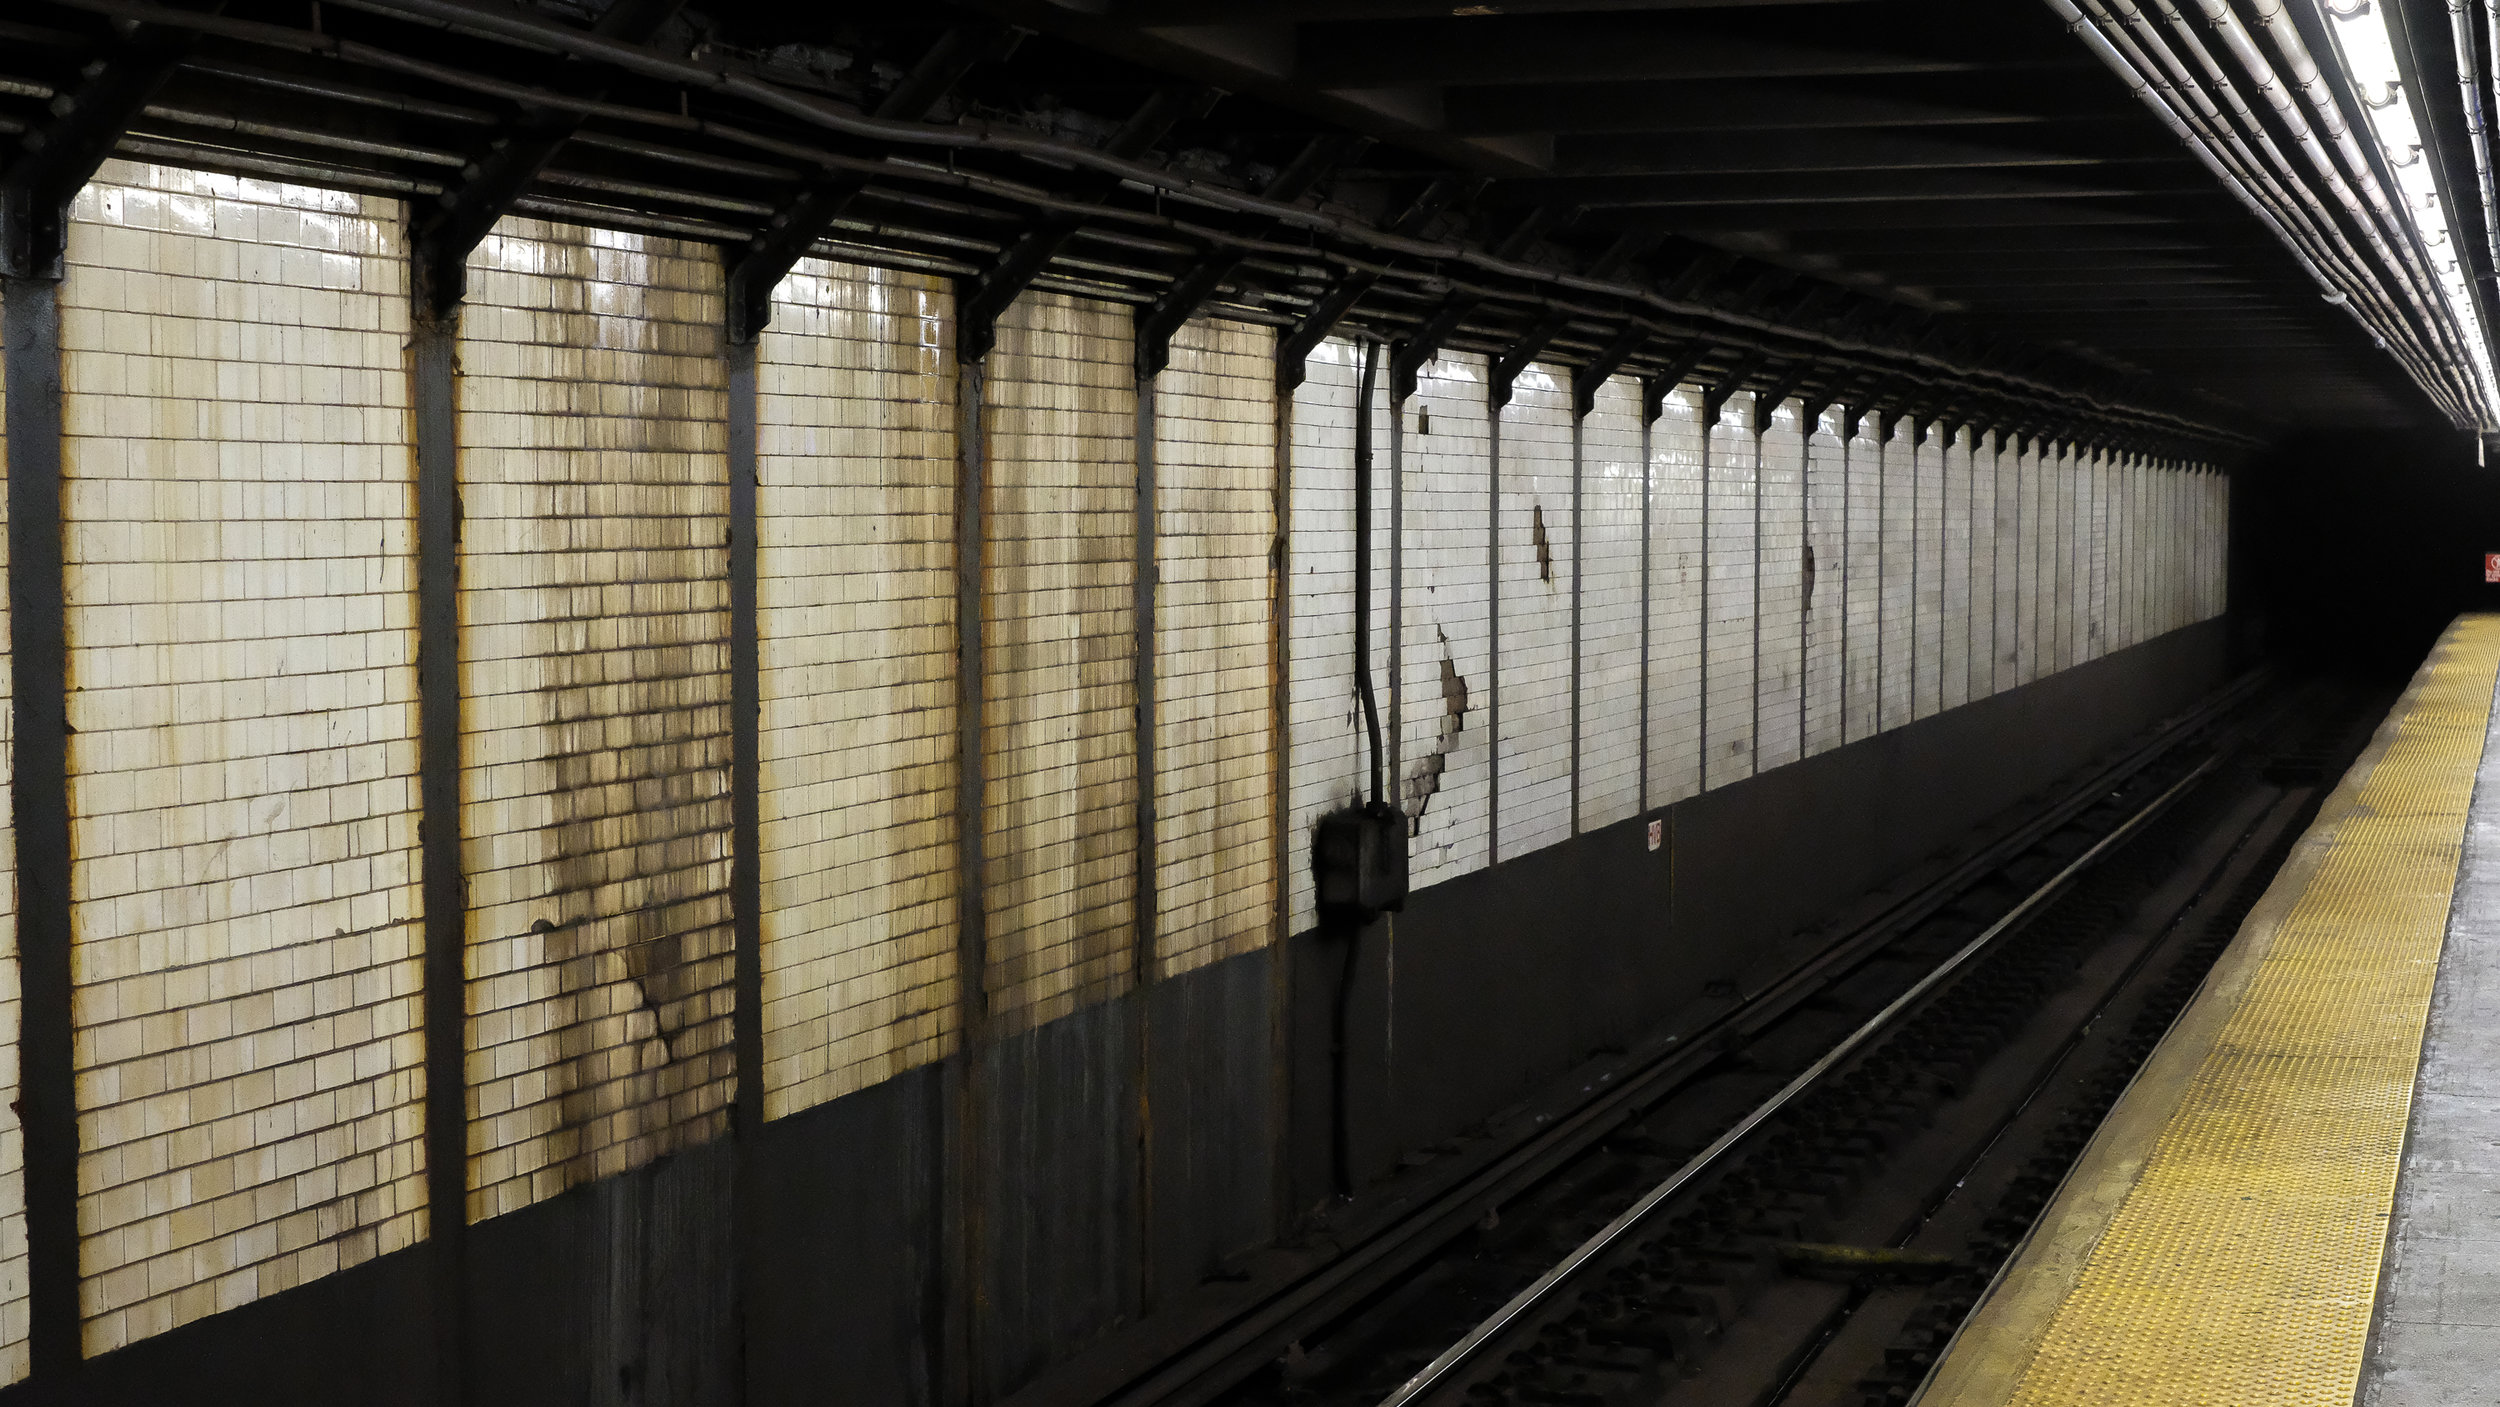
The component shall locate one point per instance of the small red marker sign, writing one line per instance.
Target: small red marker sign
(1658, 829)
(2491, 567)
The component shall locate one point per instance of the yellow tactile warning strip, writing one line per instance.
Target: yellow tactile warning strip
(2237, 1262)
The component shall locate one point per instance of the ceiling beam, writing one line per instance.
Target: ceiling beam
(796, 227)
(442, 230)
(1173, 12)
(1668, 193)
(55, 158)
(1157, 324)
(1491, 53)
(1747, 153)
(1729, 104)
(989, 295)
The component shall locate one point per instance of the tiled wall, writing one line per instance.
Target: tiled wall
(1537, 549)
(1613, 499)
(1953, 649)
(1324, 743)
(1215, 588)
(1779, 657)
(1731, 530)
(13, 1307)
(240, 504)
(1445, 685)
(245, 926)
(1059, 642)
(595, 719)
(1826, 614)
(1676, 491)
(1983, 567)
(1898, 616)
(855, 583)
(1862, 585)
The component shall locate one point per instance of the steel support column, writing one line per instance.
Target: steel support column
(435, 402)
(964, 1233)
(47, 1108)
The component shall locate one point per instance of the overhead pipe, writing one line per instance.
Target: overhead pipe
(2133, 34)
(2243, 119)
(2470, 91)
(831, 116)
(547, 36)
(2147, 92)
(2412, 281)
(2371, 196)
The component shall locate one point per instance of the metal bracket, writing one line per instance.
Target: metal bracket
(1157, 326)
(795, 228)
(58, 159)
(980, 307)
(440, 238)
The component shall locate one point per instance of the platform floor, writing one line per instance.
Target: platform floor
(2223, 1238)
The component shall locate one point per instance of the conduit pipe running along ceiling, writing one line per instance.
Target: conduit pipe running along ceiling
(2393, 262)
(712, 137)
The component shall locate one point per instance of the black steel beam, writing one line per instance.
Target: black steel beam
(1670, 193)
(1521, 354)
(794, 230)
(1175, 12)
(1852, 149)
(1590, 379)
(1715, 394)
(30, 328)
(1158, 323)
(1293, 350)
(981, 305)
(1775, 392)
(1725, 105)
(1421, 345)
(56, 159)
(434, 432)
(1494, 52)
(443, 231)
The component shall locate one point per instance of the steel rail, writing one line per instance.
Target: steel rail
(1193, 1370)
(1432, 1374)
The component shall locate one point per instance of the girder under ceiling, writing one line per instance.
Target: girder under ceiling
(1950, 202)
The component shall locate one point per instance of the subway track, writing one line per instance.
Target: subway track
(1821, 1251)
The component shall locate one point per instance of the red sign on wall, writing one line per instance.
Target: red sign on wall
(2491, 567)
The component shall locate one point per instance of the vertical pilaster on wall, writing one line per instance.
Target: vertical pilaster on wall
(963, 1230)
(30, 326)
(1579, 550)
(1142, 582)
(1394, 737)
(1280, 800)
(1701, 644)
(1149, 883)
(1493, 642)
(1755, 422)
(1649, 488)
(435, 425)
(746, 885)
